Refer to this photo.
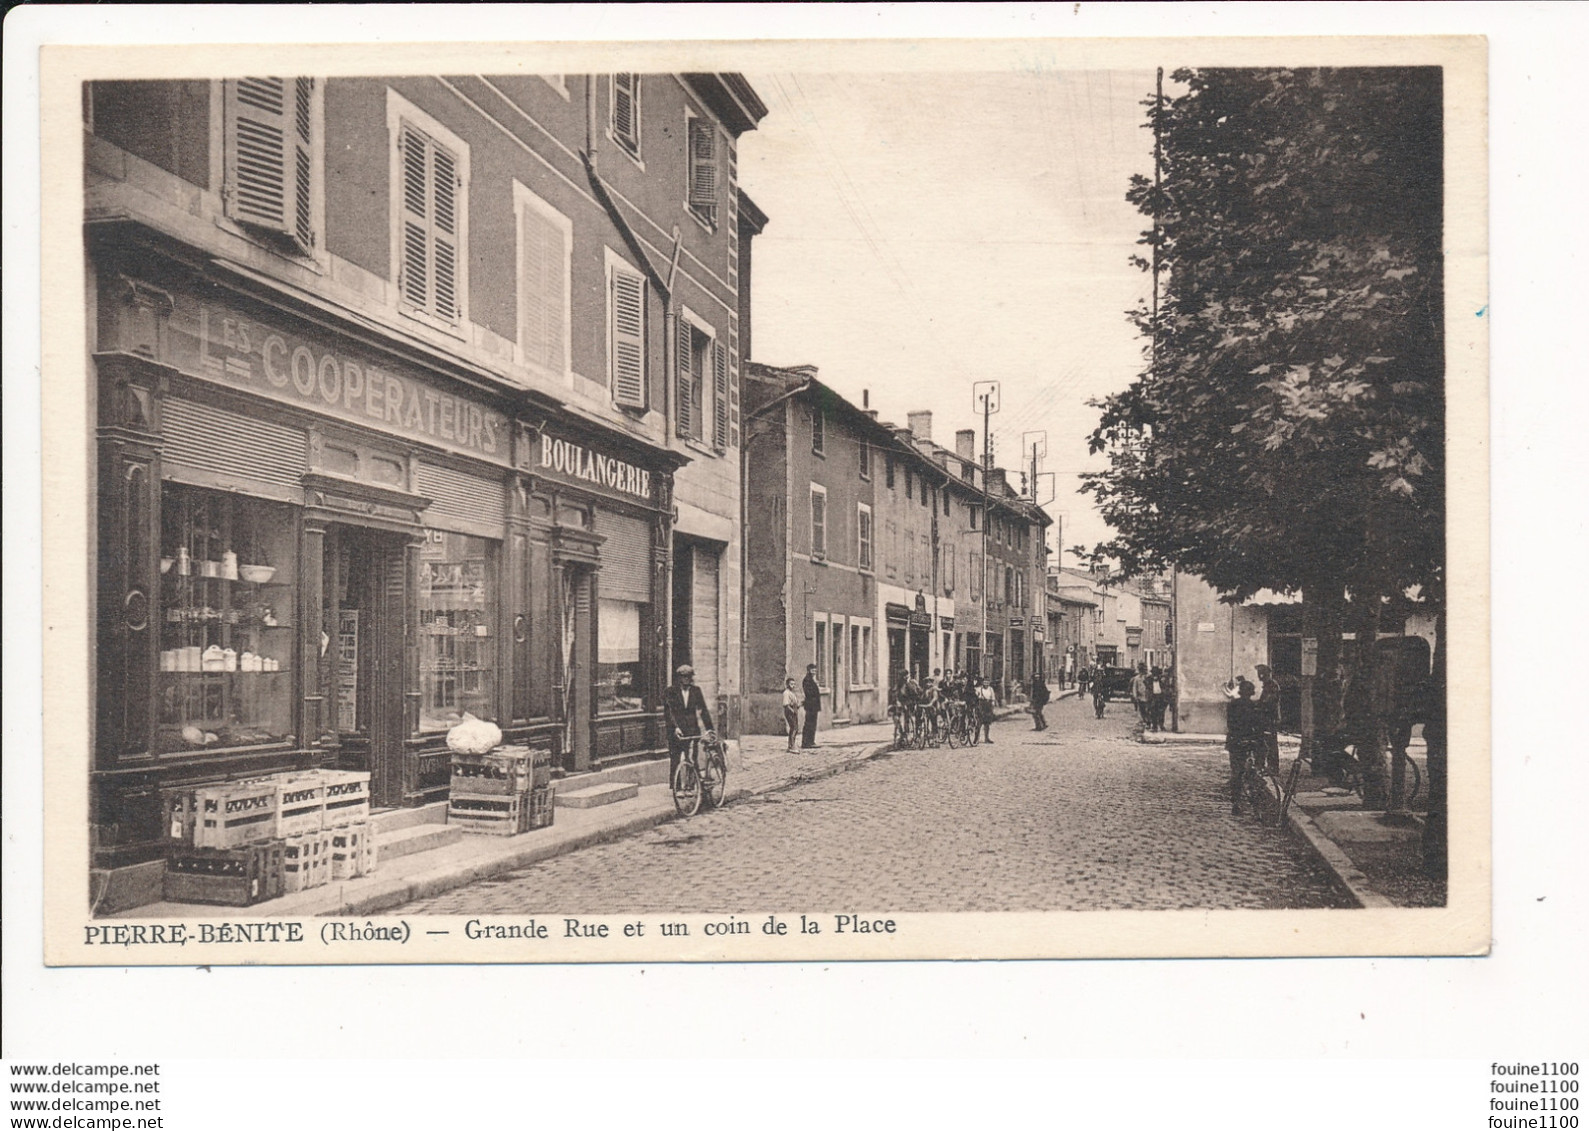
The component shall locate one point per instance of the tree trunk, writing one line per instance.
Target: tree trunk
(1434, 736)
(1322, 610)
(1368, 709)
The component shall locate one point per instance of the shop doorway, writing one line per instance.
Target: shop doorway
(361, 654)
(920, 653)
(896, 657)
(578, 640)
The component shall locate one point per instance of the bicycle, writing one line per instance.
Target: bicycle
(1261, 785)
(1349, 773)
(696, 782)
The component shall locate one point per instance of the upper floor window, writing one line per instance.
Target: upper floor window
(946, 500)
(866, 460)
(888, 472)
(626, 112)
(819, 438)
(863, 536)
(430, 178)
(975, 515)
(703, 178)
(626, 333)
(819, 521)
(910, 484)
(270, 170)
(949, 559)
(703, 384)
(545, 239)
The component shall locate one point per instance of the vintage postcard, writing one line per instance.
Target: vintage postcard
(781, 502)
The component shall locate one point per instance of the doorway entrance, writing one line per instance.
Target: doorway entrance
(364, 684)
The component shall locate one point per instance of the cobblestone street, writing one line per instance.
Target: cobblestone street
(1080, 817)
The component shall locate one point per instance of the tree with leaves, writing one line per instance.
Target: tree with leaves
(1287, 431)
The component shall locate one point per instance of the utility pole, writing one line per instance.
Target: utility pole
(986, 395)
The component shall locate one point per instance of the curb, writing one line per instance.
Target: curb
(1347, 874)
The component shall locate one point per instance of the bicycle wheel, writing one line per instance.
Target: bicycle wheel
(951, 726)
(714, 779)
(687, 788)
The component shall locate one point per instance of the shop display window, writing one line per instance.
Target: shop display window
(458, 604)
(228, 589)
(618, 656)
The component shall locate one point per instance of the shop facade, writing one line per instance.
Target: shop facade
(317, 549)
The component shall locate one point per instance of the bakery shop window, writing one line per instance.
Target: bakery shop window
(228, 588)
(618, 656)
(458, 604)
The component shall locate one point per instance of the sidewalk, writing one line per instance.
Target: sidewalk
(1376, 857)
(756, 764)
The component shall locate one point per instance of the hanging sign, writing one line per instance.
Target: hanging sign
(1310, 655)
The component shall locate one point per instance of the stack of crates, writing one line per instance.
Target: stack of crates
(503, 793)
(240, 842)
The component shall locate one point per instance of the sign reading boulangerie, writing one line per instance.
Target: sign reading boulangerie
(320, 373)
(569, 460)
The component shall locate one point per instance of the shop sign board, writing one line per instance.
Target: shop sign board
(1310, 655)
(326, 374)
(573, 462)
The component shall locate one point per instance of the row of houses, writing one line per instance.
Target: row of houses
(422, 398)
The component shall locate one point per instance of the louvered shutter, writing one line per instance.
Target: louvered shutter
(428, 277)
(628, 340)
(719, 396)
(686, 370)
(414, 274)
(268, 156)
(703, 166)
(625, 110)
(541, 337)
(444, 172)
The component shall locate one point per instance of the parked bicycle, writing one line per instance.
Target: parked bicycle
(1349, 772)
(702, 775)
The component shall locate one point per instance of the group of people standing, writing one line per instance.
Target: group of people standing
(806, 701)
(1150, 693)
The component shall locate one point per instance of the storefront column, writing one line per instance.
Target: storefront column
(316, 638)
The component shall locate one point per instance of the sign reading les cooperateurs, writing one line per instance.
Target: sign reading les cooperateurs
(326, 374)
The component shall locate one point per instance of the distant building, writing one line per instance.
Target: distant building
(865, 552)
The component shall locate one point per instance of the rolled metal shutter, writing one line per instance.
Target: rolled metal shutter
(204, 444)
(461, 502)
(703, 629)
(625, 558)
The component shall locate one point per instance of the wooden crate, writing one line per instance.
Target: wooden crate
(301, 806)
(502, 772)
(489, 814)
(235, 813)
(234, 877)
(352, 851)
(542, 807)
(347, 796)
(306, 861)
(178, 816)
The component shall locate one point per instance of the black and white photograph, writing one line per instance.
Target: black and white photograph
(907, 502)
(886, 564)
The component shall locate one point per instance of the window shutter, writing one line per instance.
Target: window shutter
(625, 110)
(703, 165)
(720, 396)
(445, 188)
(414, 273)
(628, 340)
(268, 156)
(686, 369)
(541, 337)
(303, 123)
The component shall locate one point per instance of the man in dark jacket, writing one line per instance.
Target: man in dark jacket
(813, 706)
(685, 714)
(1039, 699)
(1269, 717)
(1243, 734)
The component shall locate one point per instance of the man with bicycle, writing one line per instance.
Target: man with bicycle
(1243, 738)
(684, 712)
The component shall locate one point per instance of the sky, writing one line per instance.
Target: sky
(929, 230)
